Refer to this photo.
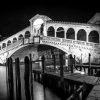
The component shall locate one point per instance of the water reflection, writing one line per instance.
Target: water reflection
(3, 86)
(39, 92)
(42, 93)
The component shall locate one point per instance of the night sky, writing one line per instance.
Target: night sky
(15, 15)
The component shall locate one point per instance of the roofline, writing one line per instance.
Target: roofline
(74, 23)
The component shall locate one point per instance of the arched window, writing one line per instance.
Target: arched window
(81, 35)
(8, 43)
(60, 32)
(93, 36)
(70, 33)
(51, 31)
(20, 37)
(27, 34)
(3, 45)
(14, 40)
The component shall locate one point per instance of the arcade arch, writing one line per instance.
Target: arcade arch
(8, 43)
(93, 36)
(51, 31)
(14, 40)
(27, 34)
(81, 35)
(3, 45)
(60, 32)
(70, 34)
(20, 37)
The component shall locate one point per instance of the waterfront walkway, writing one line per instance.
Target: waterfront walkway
(81, 78)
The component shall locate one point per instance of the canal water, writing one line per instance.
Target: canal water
(39, 91)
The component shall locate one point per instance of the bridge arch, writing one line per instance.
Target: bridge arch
(27, 34)
(51, 31)
(3, 45)
(57, 46)
(20, 37)
(22, 51)
(93, 36)
(70, 34)
(9, 42)
(14, 40)
(60, 32)
(81, 35)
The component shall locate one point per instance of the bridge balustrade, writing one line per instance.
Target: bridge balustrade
(9, 47)
(13, 45)
(62, 40)
(79, 42)
(4, 49)
(16, 44)
(26, 41)
(67, 40)
(51, 38)
(92, 44)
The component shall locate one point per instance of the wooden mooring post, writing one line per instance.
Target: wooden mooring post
(89, 69)
(74, 63)
(61, 67)
(10, 79)
(31, 77)
(71, 63)
(43, 68)
(62, 85)
(26, 78)
(54, 61)
(18, 80)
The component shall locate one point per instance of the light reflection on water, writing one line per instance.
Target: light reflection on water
(40, 93)
(3, 87)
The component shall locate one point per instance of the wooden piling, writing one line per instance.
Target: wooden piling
(31, 77)
(74, 62)
(61, 74)
(71, 63)
(61, 67)
(54, 61)
(89, 69)
(7, 76)
(26, 78)
(18, 80)
(10, 79)
(43, 68)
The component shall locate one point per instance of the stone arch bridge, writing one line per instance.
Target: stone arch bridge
(78, 39)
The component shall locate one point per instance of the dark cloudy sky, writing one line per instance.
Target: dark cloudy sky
(15, 15)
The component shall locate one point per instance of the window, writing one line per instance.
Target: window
(8, 43)
(27, 34)
(81, 35)
(70, 33)
(14, 40)
(20, 37)
(51, 31)
(3, 45)
(93, 36)
(60, 32)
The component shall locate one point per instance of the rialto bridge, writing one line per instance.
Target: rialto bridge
(78, 39)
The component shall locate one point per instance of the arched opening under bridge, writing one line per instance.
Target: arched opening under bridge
(52, 56)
